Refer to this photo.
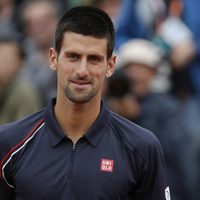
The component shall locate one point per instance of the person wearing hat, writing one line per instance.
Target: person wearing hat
(18, 98)
(140, 59)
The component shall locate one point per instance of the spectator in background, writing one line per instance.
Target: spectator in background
(125, 18)
(140, 60)
(181, 36)
(7, 17)
(119, 96)
(39, 19)
(176, 34)
(148, 11)
(111, 7)
(190, 117)
(191, 16)
(127, 22)
(17, 98)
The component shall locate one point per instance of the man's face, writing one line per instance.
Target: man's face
(82, 67)
(10, 60)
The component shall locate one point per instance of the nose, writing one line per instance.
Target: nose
(82, 69)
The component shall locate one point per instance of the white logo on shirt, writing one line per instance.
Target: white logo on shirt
(167, 193)
(107, 165)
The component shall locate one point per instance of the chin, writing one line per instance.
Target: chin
(83, 99)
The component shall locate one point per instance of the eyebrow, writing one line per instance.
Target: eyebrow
(90, 54)
(71, 52)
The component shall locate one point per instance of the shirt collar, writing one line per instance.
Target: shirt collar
(99, 127)
(93, 135)
(55, 133)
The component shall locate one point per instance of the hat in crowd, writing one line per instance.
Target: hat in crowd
(140, 51)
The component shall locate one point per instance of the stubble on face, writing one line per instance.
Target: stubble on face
(80, 95)
(82, 67)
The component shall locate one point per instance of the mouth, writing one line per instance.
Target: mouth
(81, 85)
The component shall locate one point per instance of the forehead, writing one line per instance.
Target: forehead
(81, 43)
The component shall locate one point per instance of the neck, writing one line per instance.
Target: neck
(76, 118)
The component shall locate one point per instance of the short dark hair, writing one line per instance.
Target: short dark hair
(88, 21)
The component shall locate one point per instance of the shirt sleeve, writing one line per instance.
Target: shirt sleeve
(152, 183)
(6, 192)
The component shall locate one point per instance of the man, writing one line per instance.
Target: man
(160, 112)
(13, 90)
(39, 19)
(76, 148)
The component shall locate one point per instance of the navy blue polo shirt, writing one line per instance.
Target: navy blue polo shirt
(114, 160)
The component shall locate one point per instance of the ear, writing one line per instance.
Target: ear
(111, 66)
(53, 59)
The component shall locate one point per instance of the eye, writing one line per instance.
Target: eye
(72, 57)
(94, 59)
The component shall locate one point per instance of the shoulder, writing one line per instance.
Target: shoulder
(135, 138)
(14, 133)
(145, 155)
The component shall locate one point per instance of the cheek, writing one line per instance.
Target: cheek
(64, 69)
(99, 75)
(98, 71)
(62, 76)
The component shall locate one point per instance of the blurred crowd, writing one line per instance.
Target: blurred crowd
(156, 83)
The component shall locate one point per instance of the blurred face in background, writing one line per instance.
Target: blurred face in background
(176, 7)
(4, 3)
(141, 77)
(40, 21)
(10, 60)
(6, 9)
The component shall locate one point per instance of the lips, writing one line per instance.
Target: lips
(81, 84)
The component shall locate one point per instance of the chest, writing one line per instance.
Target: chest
(74, 172)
